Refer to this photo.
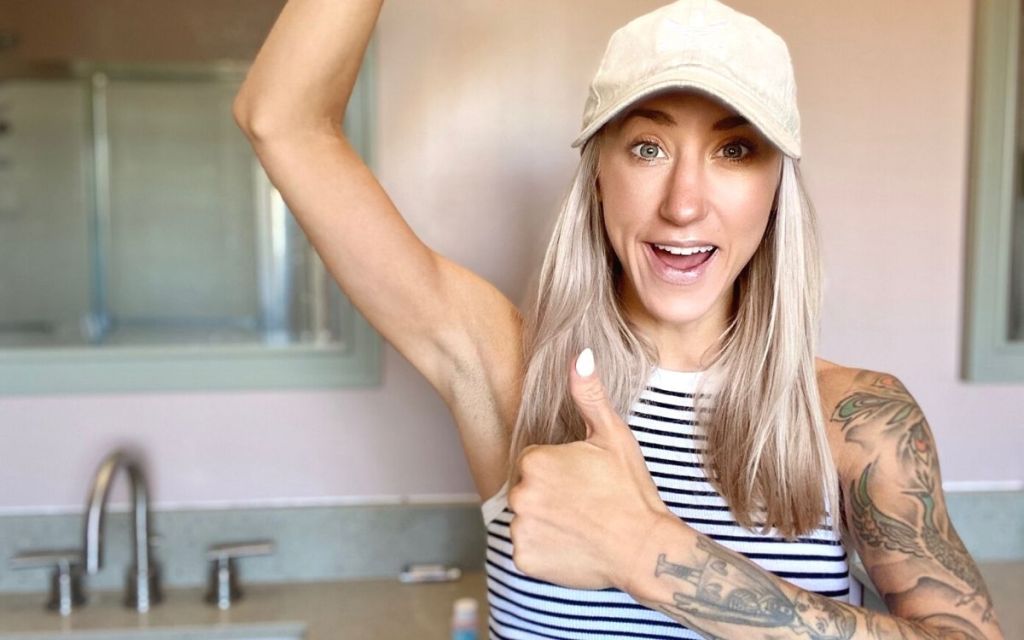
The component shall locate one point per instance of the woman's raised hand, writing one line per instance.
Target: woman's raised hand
(584, 509)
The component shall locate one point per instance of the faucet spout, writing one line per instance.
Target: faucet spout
(143, 577)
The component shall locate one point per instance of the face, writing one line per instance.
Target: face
(683, 174)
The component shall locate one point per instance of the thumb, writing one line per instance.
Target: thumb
(589, 396)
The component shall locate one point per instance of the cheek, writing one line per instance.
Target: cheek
(621, 210)
(615, 229)
(749, 208)
(629, 201)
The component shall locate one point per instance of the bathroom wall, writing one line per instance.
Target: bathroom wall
(138, 30)
(478, 102)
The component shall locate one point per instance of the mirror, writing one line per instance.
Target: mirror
(133, 212)
(993, 344)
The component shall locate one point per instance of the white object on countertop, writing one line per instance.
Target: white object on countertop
(464, 619)
(429, 573)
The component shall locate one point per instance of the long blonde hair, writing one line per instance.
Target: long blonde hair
(767, 450)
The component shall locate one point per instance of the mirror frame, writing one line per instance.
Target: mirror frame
(988, 354)
(213, 367)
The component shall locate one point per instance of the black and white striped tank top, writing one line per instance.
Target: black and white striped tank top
(663, 422)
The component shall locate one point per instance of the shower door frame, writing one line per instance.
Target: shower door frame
(275, 363)
(989, 353)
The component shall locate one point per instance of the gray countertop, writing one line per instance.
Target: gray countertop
(377, 609)
(371, 609)
(1005, 582)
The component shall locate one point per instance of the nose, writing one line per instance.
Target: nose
(685, 200)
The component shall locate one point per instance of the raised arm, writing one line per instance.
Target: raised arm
(454, 327)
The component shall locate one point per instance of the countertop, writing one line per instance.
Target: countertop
(370, 609)
(1005, 581)
(358, 609)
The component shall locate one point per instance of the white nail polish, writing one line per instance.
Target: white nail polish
(585, 362)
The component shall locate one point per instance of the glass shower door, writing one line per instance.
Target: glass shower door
(133, 212)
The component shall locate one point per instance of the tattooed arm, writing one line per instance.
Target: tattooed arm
(723, 595)
(589, 516)
(900, 527)
(897, 511)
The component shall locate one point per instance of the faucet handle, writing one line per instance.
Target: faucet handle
(66, 580)
(243, 549)
(224, 587)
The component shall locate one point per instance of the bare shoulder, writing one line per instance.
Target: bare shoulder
(834, 378)
(839, 384)
(861, 407)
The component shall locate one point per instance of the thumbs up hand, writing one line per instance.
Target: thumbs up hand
(584, 509)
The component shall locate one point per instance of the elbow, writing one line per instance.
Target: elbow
(253, 114)
(241, 106)
(249, 118)
(261, 124)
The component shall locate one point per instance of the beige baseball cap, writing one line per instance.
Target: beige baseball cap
(704, 45)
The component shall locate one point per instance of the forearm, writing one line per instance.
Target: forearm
(304, 73)
(718, 592)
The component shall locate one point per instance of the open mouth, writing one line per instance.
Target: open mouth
(683, 259)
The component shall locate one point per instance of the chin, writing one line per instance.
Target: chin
(682, 312)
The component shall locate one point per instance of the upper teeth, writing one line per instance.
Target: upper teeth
(688, 251)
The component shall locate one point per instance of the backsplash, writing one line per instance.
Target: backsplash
(352, 542)
(311, 543)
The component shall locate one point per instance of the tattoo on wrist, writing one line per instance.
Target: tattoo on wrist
(728, 589)
(723, 588)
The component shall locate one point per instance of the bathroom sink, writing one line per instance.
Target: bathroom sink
(276, 631)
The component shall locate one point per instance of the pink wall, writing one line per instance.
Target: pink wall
(477, 106)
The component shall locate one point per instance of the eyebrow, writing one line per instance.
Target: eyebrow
(729, 122)
(651, 114)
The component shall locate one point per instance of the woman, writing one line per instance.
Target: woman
(684, 267)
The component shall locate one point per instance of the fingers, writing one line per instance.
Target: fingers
(590, 398)
(534, 467)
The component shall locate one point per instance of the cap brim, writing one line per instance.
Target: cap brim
(716, 87)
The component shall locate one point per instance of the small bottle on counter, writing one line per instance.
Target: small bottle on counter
(464, 619)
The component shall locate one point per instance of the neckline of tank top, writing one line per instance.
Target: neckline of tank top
(675, 380)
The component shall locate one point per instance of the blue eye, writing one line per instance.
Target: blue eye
(648, 151)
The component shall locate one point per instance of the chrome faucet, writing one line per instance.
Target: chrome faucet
(143, 581)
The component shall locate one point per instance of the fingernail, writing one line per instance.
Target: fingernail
(585, 362)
